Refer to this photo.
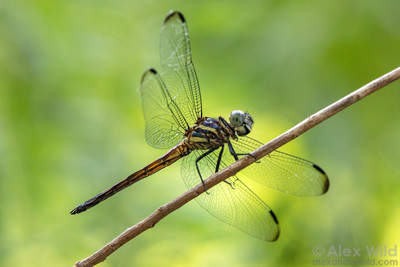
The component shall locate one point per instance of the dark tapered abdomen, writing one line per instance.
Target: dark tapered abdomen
(170, 157)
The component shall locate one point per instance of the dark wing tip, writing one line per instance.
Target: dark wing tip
(319, 168)
(277, 224)
(151, 70)
(172, 14)
(274, 216)
(326, 185)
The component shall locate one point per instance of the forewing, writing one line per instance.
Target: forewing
(164, 128)
(178, 70)
(284, 172)
(232, 203)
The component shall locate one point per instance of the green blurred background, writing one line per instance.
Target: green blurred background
(71, 125)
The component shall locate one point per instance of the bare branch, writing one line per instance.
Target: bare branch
(231, 170)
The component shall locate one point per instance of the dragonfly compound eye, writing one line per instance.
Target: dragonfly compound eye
(245, 129)
(237, 118)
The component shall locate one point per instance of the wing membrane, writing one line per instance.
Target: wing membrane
(164, 128)
(171, 100)
(232, 203)
(282, 171)
(178, 70)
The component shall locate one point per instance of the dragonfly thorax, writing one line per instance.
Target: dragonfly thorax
(209, 133)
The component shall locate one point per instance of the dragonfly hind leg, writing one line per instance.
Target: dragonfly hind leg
(197, 164)
(216, 166)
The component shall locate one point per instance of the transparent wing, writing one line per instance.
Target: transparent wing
(232, 203)
(164, 126)
(171, 101)
(178, 70)
(282, 171)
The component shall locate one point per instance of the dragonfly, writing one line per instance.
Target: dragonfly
(172, 108)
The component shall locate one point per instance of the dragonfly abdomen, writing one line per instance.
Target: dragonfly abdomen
(177, 152)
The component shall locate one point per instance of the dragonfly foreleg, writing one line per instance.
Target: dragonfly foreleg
(235, 155)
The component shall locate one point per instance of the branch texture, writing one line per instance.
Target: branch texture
(231, 170)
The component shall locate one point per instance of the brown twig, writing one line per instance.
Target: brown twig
(231, 170)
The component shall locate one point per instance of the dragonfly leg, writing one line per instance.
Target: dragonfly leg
(219, 158)
(197, 165)
(230, 184)
(235, 155)
(219, 161)
(232, 151)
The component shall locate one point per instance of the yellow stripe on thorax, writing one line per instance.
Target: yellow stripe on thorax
(209, 129)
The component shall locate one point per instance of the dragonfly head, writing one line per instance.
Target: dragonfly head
(241, 121)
